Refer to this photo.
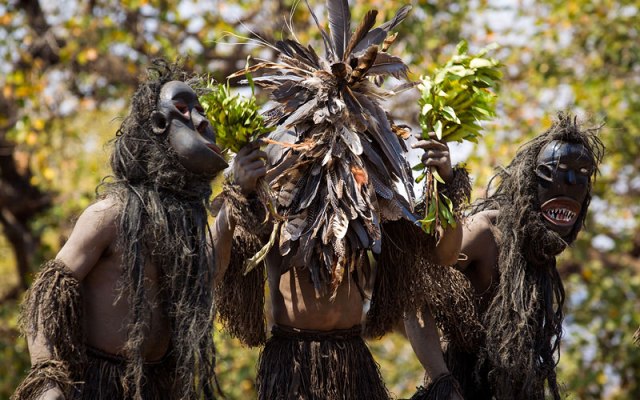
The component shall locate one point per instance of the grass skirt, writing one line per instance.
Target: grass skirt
(313, 365)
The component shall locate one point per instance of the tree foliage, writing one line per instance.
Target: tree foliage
(68, 69)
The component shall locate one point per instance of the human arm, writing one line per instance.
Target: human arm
(94, 232)
(436, 155)
(239, 296)
(248, 167)
(54, 303)
(423, 335)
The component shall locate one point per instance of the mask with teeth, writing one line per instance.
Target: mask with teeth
(564, 173)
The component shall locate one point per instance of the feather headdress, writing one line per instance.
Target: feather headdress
(336, 158)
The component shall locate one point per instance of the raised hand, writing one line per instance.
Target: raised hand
(436, 154)
(249, 166)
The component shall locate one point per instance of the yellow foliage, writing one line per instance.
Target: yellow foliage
(7, 91)
(48, 173)
(32, 139)
(6, 19)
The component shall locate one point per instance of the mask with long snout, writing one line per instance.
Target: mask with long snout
(180, 116)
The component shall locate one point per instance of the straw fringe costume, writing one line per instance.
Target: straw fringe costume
(315, 365)
(335, 159)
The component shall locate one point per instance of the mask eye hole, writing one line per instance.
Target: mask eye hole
(182, 107)
(544, 172)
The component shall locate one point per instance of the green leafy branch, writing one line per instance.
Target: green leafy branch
(236, 120)
(454, 101)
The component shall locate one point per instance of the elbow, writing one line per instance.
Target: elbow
(451, 258)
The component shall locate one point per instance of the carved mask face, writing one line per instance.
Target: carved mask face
(564, 171)
(189, 131)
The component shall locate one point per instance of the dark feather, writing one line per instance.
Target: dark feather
(364, 64)
(383, 190)
(301, 112)
(386, 64)
(310, 190)
(286, 91)
(363, 237)
(354, 107)
(284, 48)
(328, 46)
(303, 54)
(339, 24)
(377, 35)
(361, 31)
(381, 131)
(298, 62)
(273, 116)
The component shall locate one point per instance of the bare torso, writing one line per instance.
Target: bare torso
(93, 257)
(480, 255)
(294, 302)
(107, 317)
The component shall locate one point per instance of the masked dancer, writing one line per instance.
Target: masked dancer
(125, 310)
(341, 252)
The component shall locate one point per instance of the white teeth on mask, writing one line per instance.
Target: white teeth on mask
(561, 214)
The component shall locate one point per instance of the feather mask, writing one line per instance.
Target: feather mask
(337, 160)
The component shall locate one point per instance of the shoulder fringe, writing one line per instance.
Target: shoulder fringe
(458, 190)
(636, 337)
(441, 388)
(240, 298)
(53, 309)
(407, 279)
(44, 376)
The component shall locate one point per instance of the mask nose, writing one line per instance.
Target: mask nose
(571, 177)
(200, 122)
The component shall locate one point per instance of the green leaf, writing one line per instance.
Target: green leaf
(481, 63)
(257, 258)
(437, 128)
(450, 114)
(437, 176)
(418, 167)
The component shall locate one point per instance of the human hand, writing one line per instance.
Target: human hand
(53, 393)
(436, 154)
(249, 166)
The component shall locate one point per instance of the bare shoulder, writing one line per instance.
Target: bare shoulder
(94, 233)
(478, 241)
(103, 210)
(480, 223)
